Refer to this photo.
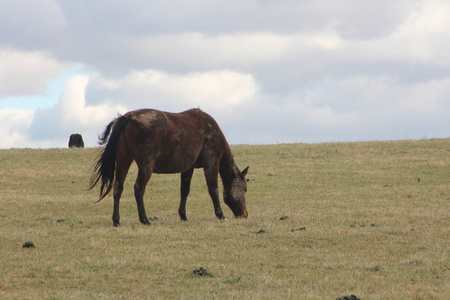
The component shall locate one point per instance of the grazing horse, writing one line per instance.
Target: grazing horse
(164, 143)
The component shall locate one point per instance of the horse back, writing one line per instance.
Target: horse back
(174, 142)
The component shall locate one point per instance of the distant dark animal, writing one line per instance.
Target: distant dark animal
(76, 141)
(162, 142)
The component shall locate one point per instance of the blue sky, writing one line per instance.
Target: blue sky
(268, 71)
(55, 87)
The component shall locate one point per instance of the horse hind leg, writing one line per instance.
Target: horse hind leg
(118, 189)
(184, 192)
(143, 178)
(123, 165)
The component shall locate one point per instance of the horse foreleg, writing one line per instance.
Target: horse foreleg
(211, 176)
(139, 190)
(214, 193)
(184, 192)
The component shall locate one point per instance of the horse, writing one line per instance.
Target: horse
(76, 141)
(166, 143)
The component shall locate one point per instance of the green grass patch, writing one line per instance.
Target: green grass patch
(325, 220)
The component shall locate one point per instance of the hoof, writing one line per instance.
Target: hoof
(116, 220)
(220, 216)
(146, 222)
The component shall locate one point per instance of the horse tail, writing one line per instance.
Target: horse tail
(105, 166)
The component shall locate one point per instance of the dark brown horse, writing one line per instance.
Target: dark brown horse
(164, 143)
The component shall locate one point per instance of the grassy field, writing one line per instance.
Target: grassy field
(325, 220)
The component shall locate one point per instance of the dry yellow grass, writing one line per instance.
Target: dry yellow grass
(376, 218)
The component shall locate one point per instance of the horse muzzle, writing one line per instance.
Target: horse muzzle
(243, 214)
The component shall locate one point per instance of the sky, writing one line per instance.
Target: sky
(269, 71)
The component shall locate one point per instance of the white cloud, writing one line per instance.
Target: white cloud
(31, 24)
(213, 91)
(383, 93)
(13, 126)
(27, 73)
(423, 37)
(426, 33)
(427, 99)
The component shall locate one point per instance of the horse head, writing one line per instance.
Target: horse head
(234, 196)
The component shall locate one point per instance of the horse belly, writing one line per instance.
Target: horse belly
(176, 162)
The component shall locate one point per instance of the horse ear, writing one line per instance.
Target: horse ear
(244, 173)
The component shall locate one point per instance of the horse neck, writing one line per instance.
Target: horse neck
(228, 169)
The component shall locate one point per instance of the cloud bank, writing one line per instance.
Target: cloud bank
(268, 71)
